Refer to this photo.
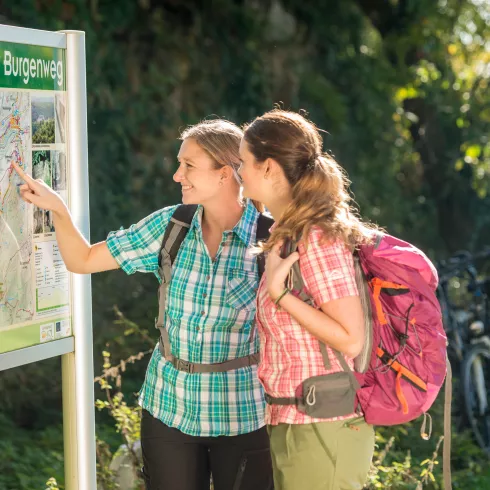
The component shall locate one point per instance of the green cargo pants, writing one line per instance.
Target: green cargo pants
(321, 456)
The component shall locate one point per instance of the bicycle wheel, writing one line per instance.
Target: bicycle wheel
(474, 375)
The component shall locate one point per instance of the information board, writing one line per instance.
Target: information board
(34, 283)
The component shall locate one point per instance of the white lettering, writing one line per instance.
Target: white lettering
(46, 68)
(15, 71)
(33, 68)
(7, 63)
(29, 68)
(59, 72)
(25, 70)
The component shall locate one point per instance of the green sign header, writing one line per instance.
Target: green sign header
(32, 67)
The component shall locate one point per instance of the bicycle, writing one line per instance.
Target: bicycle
(467, 327)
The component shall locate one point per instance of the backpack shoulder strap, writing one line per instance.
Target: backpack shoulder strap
(263, 225)
(173, 237)
(176, 231)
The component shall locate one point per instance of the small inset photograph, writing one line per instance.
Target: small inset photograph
(43, 130)
(42, 166)
(38, 225)
(60, 117)
(46, 332)
(58, 159)
(62, 329)
(48, 222)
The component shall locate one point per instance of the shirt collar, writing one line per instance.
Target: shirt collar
(243, 229)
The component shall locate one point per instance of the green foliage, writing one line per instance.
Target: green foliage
(43, 132)
(29, 458)
(52, 484)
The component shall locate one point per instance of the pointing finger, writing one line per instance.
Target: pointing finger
(20, 172)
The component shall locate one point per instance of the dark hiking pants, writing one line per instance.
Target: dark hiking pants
(173, 460)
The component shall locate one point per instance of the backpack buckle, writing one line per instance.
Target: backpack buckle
(185, 366)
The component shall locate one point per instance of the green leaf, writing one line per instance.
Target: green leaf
(473, 151)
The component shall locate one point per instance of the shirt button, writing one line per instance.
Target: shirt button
(204, 295)
(208, 278)
(203, 313)
(198, 328)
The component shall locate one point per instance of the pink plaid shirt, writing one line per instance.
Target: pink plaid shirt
(289, 353)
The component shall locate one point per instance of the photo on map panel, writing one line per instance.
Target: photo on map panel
(60, 117)
(38, 224)
(42, 166)
(43, 127)
(48, 222)
(58, 159)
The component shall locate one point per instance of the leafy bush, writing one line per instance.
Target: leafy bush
(43, 132)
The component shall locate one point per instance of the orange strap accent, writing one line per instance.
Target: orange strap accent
(386, 284)
(396, 366)
(377, 285)
(399, 393)
(377, 302)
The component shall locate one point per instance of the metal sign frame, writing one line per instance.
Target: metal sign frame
(76, 351)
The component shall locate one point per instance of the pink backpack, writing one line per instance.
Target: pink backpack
(403, 363)
(407, 363)
(408, 359)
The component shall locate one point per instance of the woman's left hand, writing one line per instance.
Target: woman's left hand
(277, 270)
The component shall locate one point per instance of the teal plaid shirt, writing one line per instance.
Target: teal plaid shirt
(209, 317)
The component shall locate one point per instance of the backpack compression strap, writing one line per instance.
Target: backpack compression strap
(446, 452)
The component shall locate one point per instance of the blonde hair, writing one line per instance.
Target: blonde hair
(319, 184)
(221, 140)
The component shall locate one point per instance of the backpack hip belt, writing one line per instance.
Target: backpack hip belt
(192, 367)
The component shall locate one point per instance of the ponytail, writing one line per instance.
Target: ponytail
(321, 198)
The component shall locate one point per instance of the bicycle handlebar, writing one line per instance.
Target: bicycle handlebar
(460, 262)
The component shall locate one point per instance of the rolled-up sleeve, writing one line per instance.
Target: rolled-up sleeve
(136, 248)
(327, 268)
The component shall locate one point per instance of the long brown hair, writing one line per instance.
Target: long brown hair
(221, 140)
(319, 184)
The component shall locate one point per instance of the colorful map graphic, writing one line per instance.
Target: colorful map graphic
(16, 281)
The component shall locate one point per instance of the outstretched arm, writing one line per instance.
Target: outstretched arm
(79, 256)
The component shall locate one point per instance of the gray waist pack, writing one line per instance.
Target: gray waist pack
(325, 396)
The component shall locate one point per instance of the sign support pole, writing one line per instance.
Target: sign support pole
(77, 367)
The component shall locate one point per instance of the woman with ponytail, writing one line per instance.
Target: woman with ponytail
(316, 442)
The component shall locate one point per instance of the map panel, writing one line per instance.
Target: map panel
(35, 296)
(16, 285)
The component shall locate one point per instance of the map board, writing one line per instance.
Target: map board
(34, 283)
(45, 311)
